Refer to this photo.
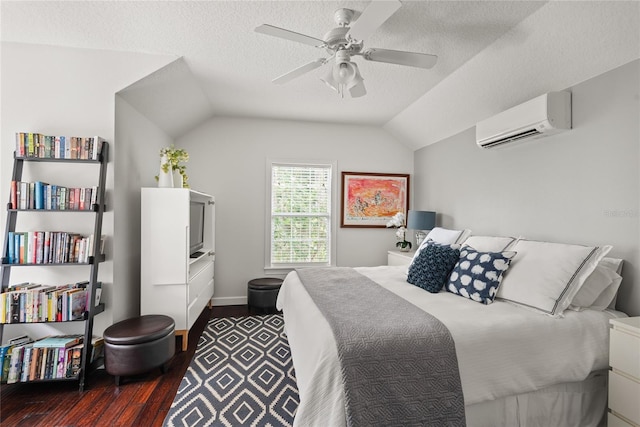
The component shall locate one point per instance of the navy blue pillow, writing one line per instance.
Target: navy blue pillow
(477, 275)
(432, 266)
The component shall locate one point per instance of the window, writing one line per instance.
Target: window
(300, 214)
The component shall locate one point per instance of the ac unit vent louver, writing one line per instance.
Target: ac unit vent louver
(545, 115)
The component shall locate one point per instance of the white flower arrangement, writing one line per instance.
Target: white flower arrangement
(397, 221)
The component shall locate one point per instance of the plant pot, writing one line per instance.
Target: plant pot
(165, 179)
(178, 181)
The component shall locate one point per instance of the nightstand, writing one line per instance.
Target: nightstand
(399, 257)
(624, 376)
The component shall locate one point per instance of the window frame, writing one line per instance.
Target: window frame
(333, 220)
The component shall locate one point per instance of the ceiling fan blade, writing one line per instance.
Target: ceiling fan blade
(299, 71)
(371, 18)
(412, 59)
(289, 35)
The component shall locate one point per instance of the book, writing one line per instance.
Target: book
(14, 314)
(32, 193)
(76, 360)
(22, 286)
(39, 247)
(23, 195)
(26, 363)
(51, 355)
(97, 344)
(22, 339)
(39, 194)
(3, 311)
(77, 304)
(5, 356)
(44, 354)
(15, 366)
(60, 372)
(14, 195)
(35, 363)
(59, 341)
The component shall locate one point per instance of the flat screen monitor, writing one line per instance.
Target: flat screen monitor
(196, 226)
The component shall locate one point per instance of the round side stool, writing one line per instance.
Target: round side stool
(262, 293)
(137, 345)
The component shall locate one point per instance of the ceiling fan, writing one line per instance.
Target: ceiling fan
(346, 41)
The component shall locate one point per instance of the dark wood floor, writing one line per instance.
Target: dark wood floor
(139, 401)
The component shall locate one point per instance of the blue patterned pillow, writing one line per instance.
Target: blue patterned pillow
(431, 267)
(477, 275)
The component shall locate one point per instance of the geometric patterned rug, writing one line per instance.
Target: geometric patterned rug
(241, 375)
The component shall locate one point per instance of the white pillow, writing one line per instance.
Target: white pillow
(608, 297)
(546, 276)
(614, 264)
(443, 236)
(463, 236)
(600, 280)
(489, 243)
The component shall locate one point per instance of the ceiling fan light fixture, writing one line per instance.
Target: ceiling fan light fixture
(344, 72)
(331, 81)
(356, 79)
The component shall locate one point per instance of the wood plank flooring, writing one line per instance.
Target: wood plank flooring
(139, 401)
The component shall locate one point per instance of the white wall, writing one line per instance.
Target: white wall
(562, 43)
(228, 160)
(63, 91)
(581, 186)
(136, 164)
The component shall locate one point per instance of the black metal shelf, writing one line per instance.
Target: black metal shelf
(94, 260)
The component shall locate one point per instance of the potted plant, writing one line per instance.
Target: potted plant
(398, 222)
(170, 163)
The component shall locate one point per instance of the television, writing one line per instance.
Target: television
(196, 226)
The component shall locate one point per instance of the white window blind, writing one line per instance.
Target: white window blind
(300, 214)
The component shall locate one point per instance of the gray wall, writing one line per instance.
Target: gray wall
(581, 186)
(228, 160)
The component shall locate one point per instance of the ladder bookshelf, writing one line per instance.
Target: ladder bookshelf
(92, 259)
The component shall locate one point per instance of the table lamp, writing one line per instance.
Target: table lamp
(421, 221)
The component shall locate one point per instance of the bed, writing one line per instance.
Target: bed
(518, 365)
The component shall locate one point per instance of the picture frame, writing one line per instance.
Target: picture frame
(370, 200)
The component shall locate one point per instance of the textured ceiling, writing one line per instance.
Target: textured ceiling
(235, 65)
(492, 55)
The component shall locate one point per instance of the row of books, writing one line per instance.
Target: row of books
(48, 247)
(41, 195)
(54, 357)
(31, 302)
(29, 144)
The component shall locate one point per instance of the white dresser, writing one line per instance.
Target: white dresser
(173, 281)
(399, 257)
(624, 376)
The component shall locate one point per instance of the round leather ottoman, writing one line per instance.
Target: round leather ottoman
(262, 293)
(140, 344)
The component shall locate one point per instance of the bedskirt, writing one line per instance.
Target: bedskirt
(579, 404)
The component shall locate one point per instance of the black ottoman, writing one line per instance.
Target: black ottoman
(262, 293)
(138, 345)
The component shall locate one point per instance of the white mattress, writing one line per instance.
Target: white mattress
(502, 349)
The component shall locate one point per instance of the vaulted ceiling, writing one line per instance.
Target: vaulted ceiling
(232, 65)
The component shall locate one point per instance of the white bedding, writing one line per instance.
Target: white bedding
(502, 349)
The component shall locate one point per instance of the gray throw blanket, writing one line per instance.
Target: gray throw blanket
(399, 364)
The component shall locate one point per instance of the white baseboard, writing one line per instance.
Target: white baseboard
(229, 301)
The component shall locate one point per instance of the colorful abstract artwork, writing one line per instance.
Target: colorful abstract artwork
(371, 199)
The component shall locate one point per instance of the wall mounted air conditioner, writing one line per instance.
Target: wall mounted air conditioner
(545, 115)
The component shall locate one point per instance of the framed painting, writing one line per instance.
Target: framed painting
(372, 199)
